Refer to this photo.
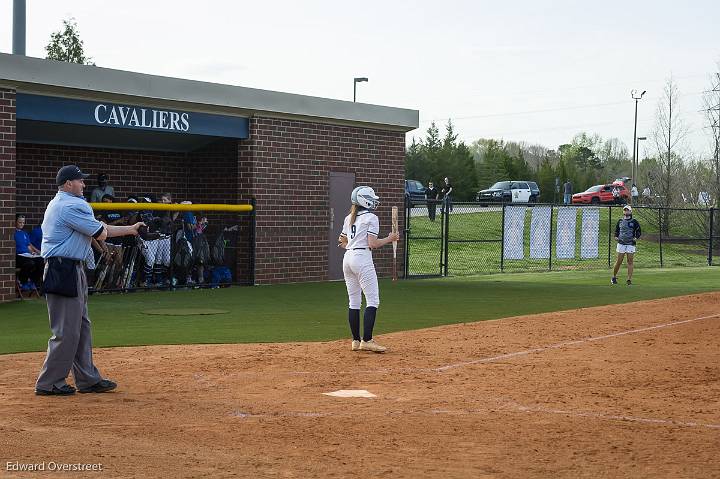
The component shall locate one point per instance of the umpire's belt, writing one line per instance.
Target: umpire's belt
(62, 259)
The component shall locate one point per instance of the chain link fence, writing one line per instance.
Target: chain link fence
(473, 238)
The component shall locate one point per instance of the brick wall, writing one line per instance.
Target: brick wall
(213, 174)
(292, 161)
(130, 171)
(7, 194)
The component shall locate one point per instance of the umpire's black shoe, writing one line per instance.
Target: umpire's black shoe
(65, 390)
(100, 387)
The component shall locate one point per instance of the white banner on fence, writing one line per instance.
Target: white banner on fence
(514, 233)
(540, 232)
(590, 233)
(565, 242)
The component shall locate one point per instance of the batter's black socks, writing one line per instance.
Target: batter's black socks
(354, 320)
(369, 322)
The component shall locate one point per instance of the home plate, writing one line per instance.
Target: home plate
(351, 393)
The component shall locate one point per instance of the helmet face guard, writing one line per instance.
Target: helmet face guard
(365, 196)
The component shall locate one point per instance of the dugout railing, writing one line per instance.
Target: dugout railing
(184, 246)
(473, 238)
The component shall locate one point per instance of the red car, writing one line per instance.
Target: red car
(602, 194)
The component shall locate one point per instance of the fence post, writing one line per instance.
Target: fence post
(502, 242)
(609, 208)
(710, 243)
(252, 241)
(406, 238)
(552, 210)
(441, 262)
(173, 252)
(446, 241)
(660, 228)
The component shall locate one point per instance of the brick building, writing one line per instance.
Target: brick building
(298, 156)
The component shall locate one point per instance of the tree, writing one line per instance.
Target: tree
(546, 181)
(712, 112)
(434, 158)
(669, 135)
(489, 164)
(66, 46)
(414, 164)
(456, 162)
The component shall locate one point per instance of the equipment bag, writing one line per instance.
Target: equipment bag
(60, 277)
(218, 250)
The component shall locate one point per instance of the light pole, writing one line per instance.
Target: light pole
(634, 95)
(637, 155)
(355, 82)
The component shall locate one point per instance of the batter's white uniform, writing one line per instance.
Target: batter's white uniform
(358, 267)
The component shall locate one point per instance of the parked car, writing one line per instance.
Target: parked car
(509, 192)
(602, 194)
(414, 191)
(622, 181)
(534, 192)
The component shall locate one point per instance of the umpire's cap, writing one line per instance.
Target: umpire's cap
(69, 172)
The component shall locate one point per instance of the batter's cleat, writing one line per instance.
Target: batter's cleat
(356, 345)
(613, 280)
(372, 346)
(629, 282)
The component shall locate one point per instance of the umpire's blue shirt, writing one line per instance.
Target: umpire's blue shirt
(68, 227)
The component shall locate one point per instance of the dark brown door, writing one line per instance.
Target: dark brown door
(341, 185)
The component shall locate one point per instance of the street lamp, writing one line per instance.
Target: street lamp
(637, 98)
(355, 82)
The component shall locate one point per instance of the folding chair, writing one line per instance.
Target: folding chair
(18, 287)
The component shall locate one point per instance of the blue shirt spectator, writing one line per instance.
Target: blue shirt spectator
(23, 246)
(36, 237)
(189, 222)
(22, 242)
(27, 257)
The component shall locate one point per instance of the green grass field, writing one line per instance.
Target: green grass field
(466, 258)
(317, 311)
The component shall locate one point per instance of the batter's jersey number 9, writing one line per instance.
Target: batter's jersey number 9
(353, 230)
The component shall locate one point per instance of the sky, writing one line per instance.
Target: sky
(533, 71)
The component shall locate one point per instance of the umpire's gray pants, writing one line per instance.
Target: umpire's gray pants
(70, 346)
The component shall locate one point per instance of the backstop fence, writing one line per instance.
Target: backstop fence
(473, 238)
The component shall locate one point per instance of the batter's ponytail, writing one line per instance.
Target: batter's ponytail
(353, 214)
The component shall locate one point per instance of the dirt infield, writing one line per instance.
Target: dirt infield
(618, 391)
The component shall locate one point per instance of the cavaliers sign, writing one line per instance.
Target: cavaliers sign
(116, 115)
(135, 117)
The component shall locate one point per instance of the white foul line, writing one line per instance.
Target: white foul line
(510, 406)
(568, 343)
(617, 417)
(493, 358)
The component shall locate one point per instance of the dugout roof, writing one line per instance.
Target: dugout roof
(69, 80)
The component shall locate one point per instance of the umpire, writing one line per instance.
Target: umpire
(68, 227)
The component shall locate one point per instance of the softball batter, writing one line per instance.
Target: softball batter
(359, 237)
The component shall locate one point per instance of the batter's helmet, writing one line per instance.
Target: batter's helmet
(365, 196)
